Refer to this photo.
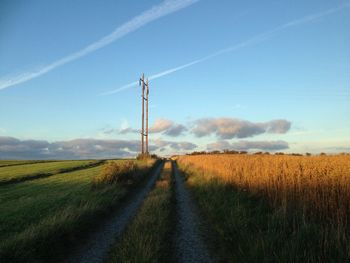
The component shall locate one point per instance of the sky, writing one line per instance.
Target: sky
(250, 75)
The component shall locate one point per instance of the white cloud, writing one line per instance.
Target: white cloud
(13, 148)
(176, 130)
(223, 128)
(128, 130)
(249, 145)
(219, 146)
(161, 125)
(228, 128)
(178, 146)
(167, 127)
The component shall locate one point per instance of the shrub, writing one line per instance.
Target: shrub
(116, 172)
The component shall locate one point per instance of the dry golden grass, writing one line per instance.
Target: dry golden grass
(315, 187)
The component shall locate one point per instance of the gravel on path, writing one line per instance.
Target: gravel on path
(189, 243)
(98, 244)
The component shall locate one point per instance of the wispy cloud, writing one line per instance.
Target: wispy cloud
(254, 40)
(158, 11)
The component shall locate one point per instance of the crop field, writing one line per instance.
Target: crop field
(274, 207)
(42, 217)
(175, 131)
(18, 172)
(208, 207)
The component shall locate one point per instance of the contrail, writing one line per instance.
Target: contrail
(155, 76)
(254, 40)
(158, 11)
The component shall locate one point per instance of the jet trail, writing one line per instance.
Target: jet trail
(254, 40)
(165, 8)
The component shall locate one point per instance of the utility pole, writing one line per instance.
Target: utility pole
(144, 87)
(142, 84)
(147, 91)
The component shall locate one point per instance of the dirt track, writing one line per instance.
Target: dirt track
(96, 248)
(189, 244)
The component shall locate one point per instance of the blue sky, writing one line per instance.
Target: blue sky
(292, 63)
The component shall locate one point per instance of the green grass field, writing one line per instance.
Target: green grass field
(19, 172)
(4, 163)
(42, 217)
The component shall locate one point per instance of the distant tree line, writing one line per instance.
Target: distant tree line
(256, 153)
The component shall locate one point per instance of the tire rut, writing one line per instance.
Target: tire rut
(189, 245)
(97, 246)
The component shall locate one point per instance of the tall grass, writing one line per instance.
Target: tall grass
(303, 191)
(147, 237)
(127, 172)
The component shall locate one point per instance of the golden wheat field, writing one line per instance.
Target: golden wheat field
(316, 186)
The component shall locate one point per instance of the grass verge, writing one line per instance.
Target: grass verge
(41, 219)
(247, 229)
(146, 238)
